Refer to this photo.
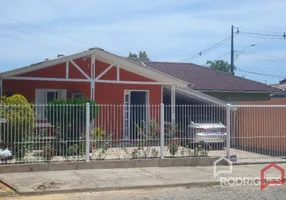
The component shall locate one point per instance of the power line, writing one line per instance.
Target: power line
(35, 43)
(263, 34)
(261, 74)
(280, 60)
(264, 54)
(207, 50)
(28, 33)
(221, 56)
(262, 37)
(42, 29)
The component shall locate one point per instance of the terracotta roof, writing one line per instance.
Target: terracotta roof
(203, 78)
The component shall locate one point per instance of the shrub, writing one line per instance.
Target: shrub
(48, 152)
(100, 140)
(70, 115)
(20, 118)
(174, 146)
(72, 150)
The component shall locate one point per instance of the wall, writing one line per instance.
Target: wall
(113, 95)
(27, 88)
(239, 96)
(110, 117)
(261, 128)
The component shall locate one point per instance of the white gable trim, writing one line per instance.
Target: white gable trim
(106, 57)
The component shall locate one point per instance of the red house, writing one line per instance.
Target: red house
(103, 77)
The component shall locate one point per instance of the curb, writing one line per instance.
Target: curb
(194, 184)
(108, 164)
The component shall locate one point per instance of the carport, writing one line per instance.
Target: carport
(189, 105)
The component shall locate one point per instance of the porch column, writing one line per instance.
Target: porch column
(92, 84)
(173, 103)
(92, 75)
(92, 93)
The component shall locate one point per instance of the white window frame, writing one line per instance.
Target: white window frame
(43, 101)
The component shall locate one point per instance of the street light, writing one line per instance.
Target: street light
(252, 45)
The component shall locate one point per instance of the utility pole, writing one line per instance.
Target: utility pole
(231, 53)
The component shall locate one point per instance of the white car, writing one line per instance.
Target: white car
(207, 133)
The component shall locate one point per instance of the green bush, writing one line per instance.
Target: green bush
(70, 116)
(48, 152)
(20, 118)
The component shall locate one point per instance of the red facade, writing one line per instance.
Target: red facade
(105, 93)
(110, 119)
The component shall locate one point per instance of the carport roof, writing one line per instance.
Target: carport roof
(204, 98)
(206, 79)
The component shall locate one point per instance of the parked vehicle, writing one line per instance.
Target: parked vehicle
(206, 134)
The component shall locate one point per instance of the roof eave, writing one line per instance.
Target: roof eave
(104, 56)
(236, 91)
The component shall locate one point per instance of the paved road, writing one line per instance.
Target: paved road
(205, 193)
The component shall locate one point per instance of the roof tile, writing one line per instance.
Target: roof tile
(203, 78)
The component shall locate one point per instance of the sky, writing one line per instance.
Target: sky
(169, 30)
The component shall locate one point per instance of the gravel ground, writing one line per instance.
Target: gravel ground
(217, 192)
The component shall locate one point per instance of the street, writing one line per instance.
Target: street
(182, 193)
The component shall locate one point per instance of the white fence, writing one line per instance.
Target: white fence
(56, 133)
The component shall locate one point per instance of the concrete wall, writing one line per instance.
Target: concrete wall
(261, 129)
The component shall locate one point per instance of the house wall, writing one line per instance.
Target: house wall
(110, 117)
(261, 128)
(27, 88)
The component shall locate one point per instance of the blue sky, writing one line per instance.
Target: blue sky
(168, 30)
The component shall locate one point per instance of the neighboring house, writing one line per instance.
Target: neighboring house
(281, 86)
(214, 83)
(111, 79)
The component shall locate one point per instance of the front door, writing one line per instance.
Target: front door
(135, 112)
(43, 96)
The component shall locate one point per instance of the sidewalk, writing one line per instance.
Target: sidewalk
(35, 183)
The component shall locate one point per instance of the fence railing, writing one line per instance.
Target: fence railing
(84, 132)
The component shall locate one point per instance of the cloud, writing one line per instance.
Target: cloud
(168, 30)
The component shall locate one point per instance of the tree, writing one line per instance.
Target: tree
(20, 123)
(141, 54)
(132, 55)
(219, 65)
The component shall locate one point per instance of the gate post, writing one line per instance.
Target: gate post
(87, 124)
(228, 130)
(162, 120)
